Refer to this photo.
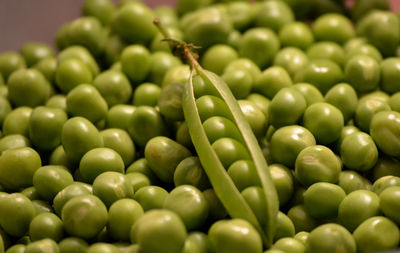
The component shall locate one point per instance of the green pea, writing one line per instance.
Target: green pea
(331, 238)
(296, 34)
(33, 52)
(239, 81)
(385, 182)
(333, 27)
(144, 124)
(289, 245)
(376, 234)
(390, 71)
(327, 50)
(146, 94)
(170, 101)
(137, 180)
(302, 237)
(310, 93)
(209, 106)
(363, 49)
(182, 136)
(71, 72)
(384, 130)
(151, 197)
(163, 226)
(16, 214)
(43, 246)
(207, 27)
(136, 62)
(196, 242)
(28, 87)
(78, 136)
(243, 174)
(385, 25)
(102, 10)
(261, 102)
(49, 180)
(358, 151)
(203, 87)
(356, 207)
(284, 228)
(217, 211)
(113, 86)
(17, 167)
(17, 248)
(394, 102)
(161, 62)
(190, 172)
(57, 101)
(10, 62)
(73, 245)
(42, 207)
(111, 186)
(385, 166)
(120, 141)
(234, 236)
(73, 190)
(351, 181)
(31, 193)
(59, 157)
(87, 32)
(362, 72)
(230, 150)
(13, 141)
(101, 247)
(17, 121)
(177, 74)
(217, 57)
(317, 164)
(324, 121)
(255, 117)
(185, 6)
(365, 111)
(99, 160)
(217, 127)
(118, 116)
(246, 64)
(301, 219)
(322, 200)
(344, 97)
(292, 59)
(286, 107)
(271, 81)
(113, 47)
(5, 109)
(46, 225)
(84, 216)
(283, 181)
(82, 54)
(274, 15)
(255, 198)
(287, 142)
(163, 155)
(259, 45)
(322, 73)
(388, 200)
(141, 165)
(241, 13)
(121, 216)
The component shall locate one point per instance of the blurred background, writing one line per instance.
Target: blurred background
(24, 21)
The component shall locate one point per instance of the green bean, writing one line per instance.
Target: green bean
(224, 187)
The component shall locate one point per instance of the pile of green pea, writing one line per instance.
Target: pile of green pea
(98, 156)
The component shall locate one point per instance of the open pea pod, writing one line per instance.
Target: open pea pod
(224, 187)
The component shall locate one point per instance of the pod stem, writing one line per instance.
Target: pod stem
(179, 48)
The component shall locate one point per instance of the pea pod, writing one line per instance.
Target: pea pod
(223, 185)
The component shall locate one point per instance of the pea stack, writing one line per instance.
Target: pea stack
(222, 127)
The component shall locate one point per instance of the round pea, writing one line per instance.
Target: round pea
(331, 238)
(137, 180)
(17, 167)
(146, 94)
(289, 245)
(296, 34)
(285, 227)
(324, 121)
(84, 216)
(102, 10)
(13, 141)
(234, 236)
(243, 173)
(118, 116)
(43, 246)
(255, 198)
(73, 190)
(17, 121)
(274, 15)
(388, 200)
(301, 218)
(190, 172)
(161, 226)
(344, 97)
(70, 73)
(287, 142)
(33, 52)
(120, 141)
(283, 181)
(136, 62)
(46, 225)
(229, 150)
(217, 127)
(394, 102)
(151, 197)
(351, 181)
(10, 62)
(310, 93)
(99, 160)
(327, 50)
(73, 245)
(384, 130)
(209, 106)
(49, 180)
(376, 234)
(122, 215)
(292, 59)
(170, 101)
(114, 87)
(385, 166)
(217, 57)
(239, 81)
(142, 166)
(271, 81)
(78, 136)
(385, 182)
